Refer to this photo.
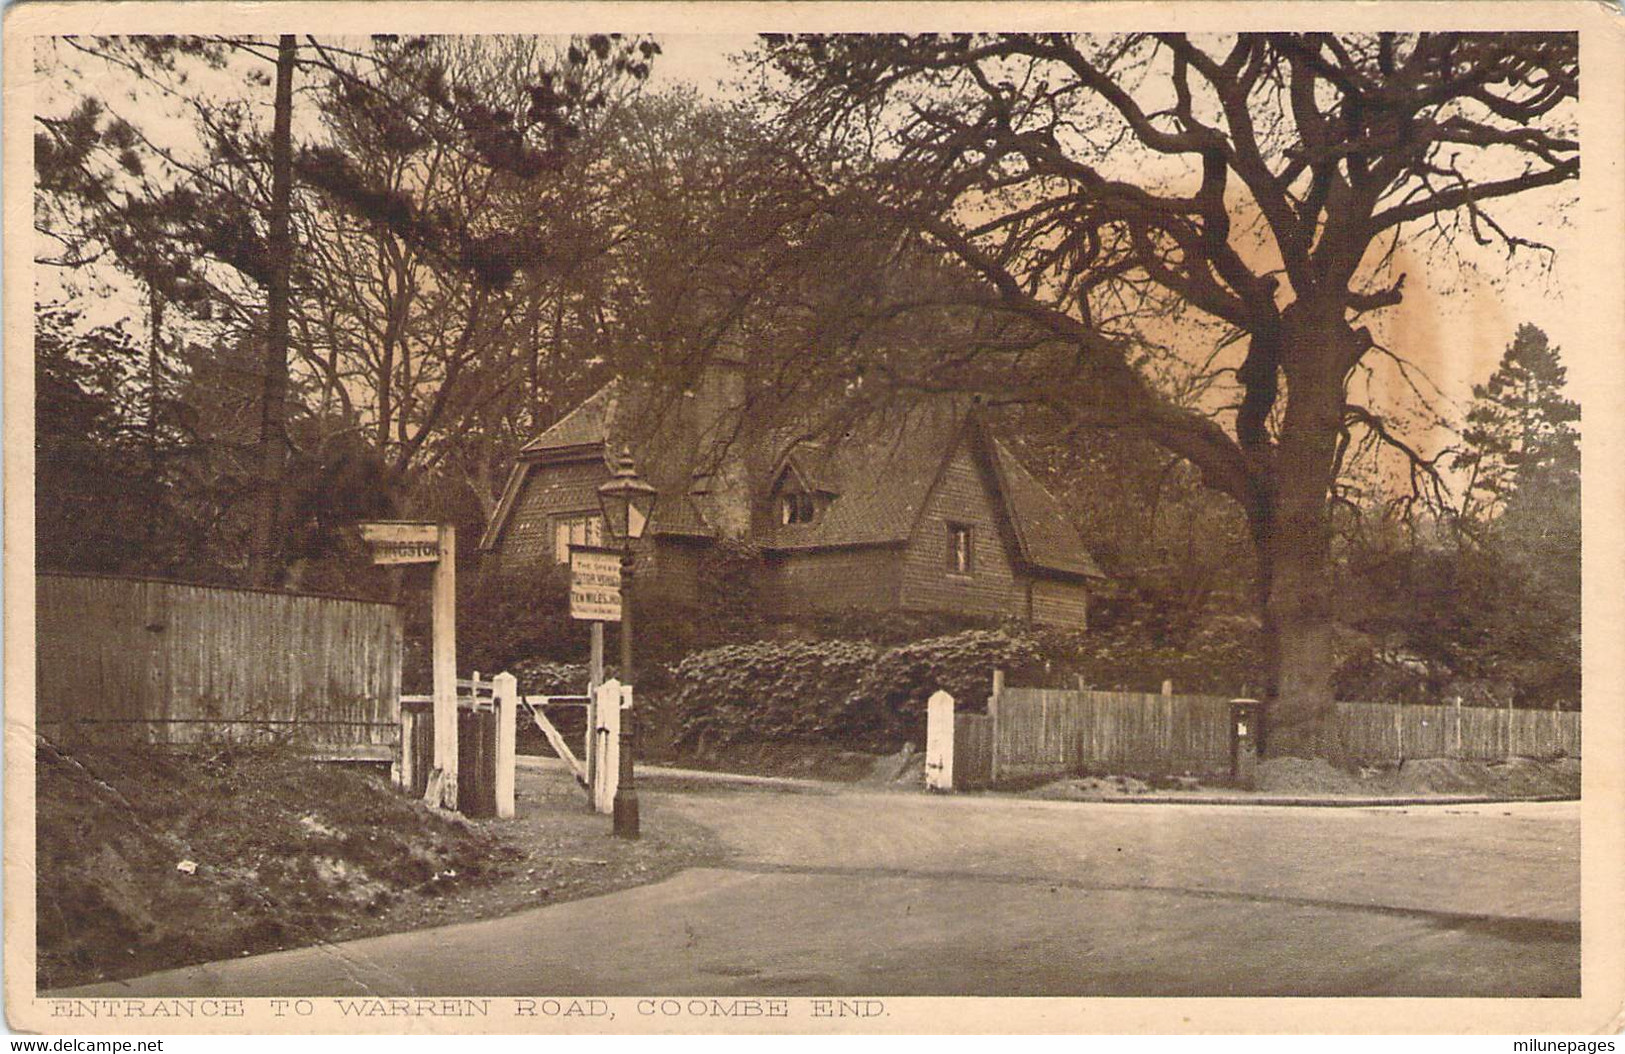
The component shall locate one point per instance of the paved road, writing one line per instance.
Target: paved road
(852, 891)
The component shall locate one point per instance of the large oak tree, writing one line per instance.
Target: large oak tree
(1114, 193)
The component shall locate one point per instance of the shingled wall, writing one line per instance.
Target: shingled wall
(992, 588)
(527, 538)
(833, 579)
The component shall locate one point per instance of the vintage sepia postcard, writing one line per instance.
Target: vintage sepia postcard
(814, 518)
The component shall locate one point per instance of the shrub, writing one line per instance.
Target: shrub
(889, 703)
(882, 627)
(766, 690)
(838, 691)
(541, 677)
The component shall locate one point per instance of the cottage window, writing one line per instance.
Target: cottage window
(961, 549)
(797, 508)
(582, 529)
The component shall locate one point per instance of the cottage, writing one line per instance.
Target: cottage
(927, 512)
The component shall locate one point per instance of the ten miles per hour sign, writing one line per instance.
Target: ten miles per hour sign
(595, 584)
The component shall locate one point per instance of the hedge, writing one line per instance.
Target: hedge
(848, 692)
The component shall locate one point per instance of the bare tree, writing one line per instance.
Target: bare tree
(1117, 196)
(380, 217)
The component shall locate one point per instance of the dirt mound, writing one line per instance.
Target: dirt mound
(1092, 788)
(1512, 778)
(1437, 776)
(149, 859)
(1307, 776)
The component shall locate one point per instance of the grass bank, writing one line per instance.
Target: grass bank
(150, 859)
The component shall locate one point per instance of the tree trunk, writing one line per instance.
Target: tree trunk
(1296, 555)
(266, 558)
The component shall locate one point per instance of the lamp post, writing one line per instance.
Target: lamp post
(628, 502)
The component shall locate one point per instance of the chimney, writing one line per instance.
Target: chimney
(721, 478)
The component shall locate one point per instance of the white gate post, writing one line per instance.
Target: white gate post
(442, 790)
(608, 746)
(595, 677)
(505, 693)
(939, 742)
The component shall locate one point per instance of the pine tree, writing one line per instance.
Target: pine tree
(1524, 455)
(1523, 450)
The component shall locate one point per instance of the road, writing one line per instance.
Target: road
(857, 891)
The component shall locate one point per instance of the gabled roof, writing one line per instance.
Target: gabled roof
(590, 431)
(587, 424)
(810, 462)
(884, 479)
(1045, 534)
(880, 478)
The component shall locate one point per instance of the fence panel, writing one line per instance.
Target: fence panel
(1043, 732)
(1383, 732)
(1046, 732)
(973, 750)
(129, 660)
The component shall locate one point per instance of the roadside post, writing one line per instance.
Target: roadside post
(1246, 728)
(505, 694)
(595, 677)
(939, 742)
(595, 596)
(395, 542)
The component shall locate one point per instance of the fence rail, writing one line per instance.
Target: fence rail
(1039, 732)
(130, 660)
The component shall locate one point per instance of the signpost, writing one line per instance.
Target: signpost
(595, 584)
(595, 596)
(413, 542)
(402, 542)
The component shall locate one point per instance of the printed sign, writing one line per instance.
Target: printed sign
(401, 542)
(595, 584)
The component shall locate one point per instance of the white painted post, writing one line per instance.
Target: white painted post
(505, 693)
(993, 714)
(608, 746)
(939, 742)
(401, 771)
(443, 778)
(595, 677)
(1167, 687)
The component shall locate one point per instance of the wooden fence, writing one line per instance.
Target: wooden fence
(973, 750)
(128, 660)
(1040, 732)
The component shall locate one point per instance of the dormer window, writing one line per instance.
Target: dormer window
(798, 507)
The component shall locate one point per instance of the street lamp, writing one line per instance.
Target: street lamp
(628, 502)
